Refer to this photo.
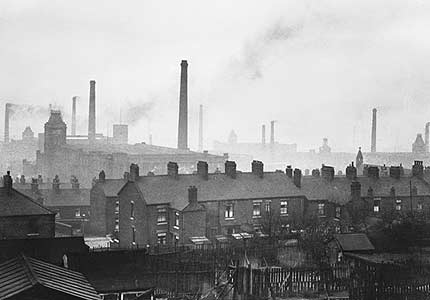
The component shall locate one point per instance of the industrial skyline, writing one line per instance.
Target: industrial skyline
(279, 67)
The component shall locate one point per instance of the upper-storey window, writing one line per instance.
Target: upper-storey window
(161, 216)
(256, 209)
(268, 206)
(398, 204)
(321, 209)
(177, 219)
(284, 207)
(131, 209)
(376, 205)
(229, 211)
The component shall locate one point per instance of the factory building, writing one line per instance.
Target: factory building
(84, 156)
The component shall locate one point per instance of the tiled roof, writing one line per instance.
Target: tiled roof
(354, 242)
(166, 189)
(339, 189)
(16, 203)
(22, 273)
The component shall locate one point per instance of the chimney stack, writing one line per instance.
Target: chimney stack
(134, 172)
(327, 172)
(183, 108)
(373, 145)
(289, 171)
(272, 132)
(230, 168)
(257, 168)
(34, 186)
(355, 192)
(351, 172)
(418, 169)
(201, 128)
(263, 134)
(297, 178)
(172, 169)
(102, 176)
(6, 122)
(7, 182)
(74, 115)
(192, 194)
(202, 169)
(92, 113)
(427, 132)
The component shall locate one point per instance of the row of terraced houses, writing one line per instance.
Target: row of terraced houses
(184, 208)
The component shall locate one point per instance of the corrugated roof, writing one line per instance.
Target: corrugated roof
(16, 203)
(166, 189)
(354, 242)
(22, 273)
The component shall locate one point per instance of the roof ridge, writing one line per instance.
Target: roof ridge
(28, 269)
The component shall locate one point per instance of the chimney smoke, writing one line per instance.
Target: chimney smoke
(183, 108)
(201, 128)
(373, 145)
(74, 115)
(263, 134)
(92, 113)
(6, 122)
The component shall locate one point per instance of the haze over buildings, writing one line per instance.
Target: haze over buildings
(293, 60)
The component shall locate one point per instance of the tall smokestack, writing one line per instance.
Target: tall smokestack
(74, 115)
(6, 122)
(92, 113)
(373, 145)
(427, 136)
(272, 132)
(183, 108)
(201, 128)
(263, 134)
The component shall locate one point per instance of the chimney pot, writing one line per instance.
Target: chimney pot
(102, 176)
(7, 182)
(316, 173)
(289, 171)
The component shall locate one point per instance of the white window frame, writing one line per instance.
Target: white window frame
(229, 211)
(284, 208)
(162, 235)
(321, 209)
(256, 209)
(161, 216)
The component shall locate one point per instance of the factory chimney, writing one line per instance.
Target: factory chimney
(6, 122)
(92, 113)
(373, 145)
(74, 115)
(263, 134)
(183, 108)
(272, 132)
(201, 128)
(427, 136)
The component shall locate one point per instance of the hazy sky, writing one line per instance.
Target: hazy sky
(317, 67)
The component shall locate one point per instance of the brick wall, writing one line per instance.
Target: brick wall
(19, 226)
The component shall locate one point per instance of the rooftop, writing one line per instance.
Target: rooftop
(15, 203)
(350, 242)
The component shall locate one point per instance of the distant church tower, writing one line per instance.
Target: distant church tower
(55, 132)
(359, 162)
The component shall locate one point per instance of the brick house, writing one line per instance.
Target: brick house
(169, 209)
(69, 201)
(21, 216)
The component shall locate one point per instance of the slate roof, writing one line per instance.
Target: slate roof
(111, 187)
(339, 189)
(22, 273)
(18, 204)
(354, 242)
(166, 189)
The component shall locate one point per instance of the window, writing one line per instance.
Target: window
(161, 216)
(419, 206)
(268, 206)
(321, 209)
(78, 213)
(376, 205)
(256, 209)
(177, 219)
(398, 204)
(132, 210)
(116, 225)
(117, 207)
(338, 212)
(284, 207)
(162, 238)
(229, 211)
(133, 235)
